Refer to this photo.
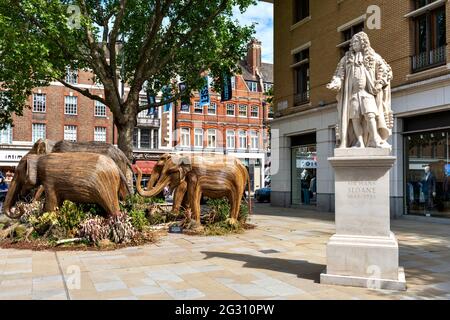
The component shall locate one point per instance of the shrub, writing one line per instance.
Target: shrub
(122, 230)
(70, 216)
(243, 212)
(138, 219)
(44, 222)
(219, 210)
(94, 229)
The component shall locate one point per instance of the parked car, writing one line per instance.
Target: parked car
(263, 194)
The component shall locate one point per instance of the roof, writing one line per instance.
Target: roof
(266, 70)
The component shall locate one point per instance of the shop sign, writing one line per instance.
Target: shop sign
(12, 156)
(306, 164)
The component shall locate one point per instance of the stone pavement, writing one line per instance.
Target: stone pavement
(281, 259)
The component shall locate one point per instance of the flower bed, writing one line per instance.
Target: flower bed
(84, 227)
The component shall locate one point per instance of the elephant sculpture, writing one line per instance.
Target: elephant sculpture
(79, 177)
(42, 147)
(191, 177)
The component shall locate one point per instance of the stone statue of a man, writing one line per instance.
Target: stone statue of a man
(362, 78)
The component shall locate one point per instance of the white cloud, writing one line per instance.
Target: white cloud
(262, 15)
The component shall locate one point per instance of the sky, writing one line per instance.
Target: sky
(262, 14)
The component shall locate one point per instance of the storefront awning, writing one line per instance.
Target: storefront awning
(145, 166)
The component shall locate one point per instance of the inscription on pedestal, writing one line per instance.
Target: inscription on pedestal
(361, 190)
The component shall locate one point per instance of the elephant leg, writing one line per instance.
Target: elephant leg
(51, 199)
(178, 196)
(234, 200)
(38, 194)
(194, 194)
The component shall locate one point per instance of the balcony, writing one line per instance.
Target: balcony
(144, 119)
(429, 59)
(301, 98)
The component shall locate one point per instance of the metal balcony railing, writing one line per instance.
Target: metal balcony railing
(301, 98)
(429, 59)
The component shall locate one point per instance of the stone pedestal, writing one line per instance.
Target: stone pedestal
(364, 251)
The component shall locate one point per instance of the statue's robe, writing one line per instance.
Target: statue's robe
(375, 69)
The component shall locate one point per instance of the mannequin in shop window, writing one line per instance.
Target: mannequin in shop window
(305, 182)
(429, 188)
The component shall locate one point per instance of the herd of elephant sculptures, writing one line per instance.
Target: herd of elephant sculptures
(99, 173)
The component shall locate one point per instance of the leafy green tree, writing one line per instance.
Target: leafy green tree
(143, 43)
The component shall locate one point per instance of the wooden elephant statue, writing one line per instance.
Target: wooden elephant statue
(79, 177)
(213, 176)
(42, 147)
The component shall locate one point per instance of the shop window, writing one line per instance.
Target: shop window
(427, 179)
(304, 175)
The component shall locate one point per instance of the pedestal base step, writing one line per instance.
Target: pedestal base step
(370, 283)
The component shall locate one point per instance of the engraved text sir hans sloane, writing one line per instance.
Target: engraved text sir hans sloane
(361, 190)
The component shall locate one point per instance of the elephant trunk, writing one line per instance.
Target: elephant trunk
(8, 206)
(153, 191)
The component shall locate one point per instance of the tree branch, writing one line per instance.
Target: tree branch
(84, 92)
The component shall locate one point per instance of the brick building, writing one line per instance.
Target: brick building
(59, 113)
(310, 38)
(236, 127)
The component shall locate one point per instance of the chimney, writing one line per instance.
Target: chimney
(254, 56)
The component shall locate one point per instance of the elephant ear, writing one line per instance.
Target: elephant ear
(32, 161)
(185, 167)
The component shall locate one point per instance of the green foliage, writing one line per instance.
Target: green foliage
(220, 210)
(243, 212)
(44, 222)
(37, 43)
(138, 219)
(70, 215)
(137, 202)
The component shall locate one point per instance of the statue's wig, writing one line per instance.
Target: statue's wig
(368, 52)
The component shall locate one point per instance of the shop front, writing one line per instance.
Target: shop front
(427, 166)
(304, 170)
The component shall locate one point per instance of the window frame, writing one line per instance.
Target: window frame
(210, 108)
(234, 109)
(246, 111)
(75, 132)
(35, 102)
(67, 106)
(34, 137)
(185, 134)
(196, 134)
(198, 108)
(301, 10)
(97, 133)
(243, 136)
(211, 136)
(97, 105)
(231, 134)
(257, 112)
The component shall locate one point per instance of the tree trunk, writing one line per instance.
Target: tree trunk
(125, 137)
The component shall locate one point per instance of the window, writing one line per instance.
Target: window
(212, 138)
(252, 86)
(39, 102)
(70, 105)
(155, 144)
(271, 114)
(242, 110)
(38, 131)
(267, 86)
(136, 138)
(254, 111)
(198, 108)
(233, 83)
(71, 76)
(185, 137)
(198, 138)
(212, 108)
(430, 38)
(242, 139)
(254, 140)
(301, 10)
(6, 135)
(231, 109)
(231, 140)
(100, 134)
(70, 133)
(348, 35)
(145, 138)
(301, 74)
(100, 109)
